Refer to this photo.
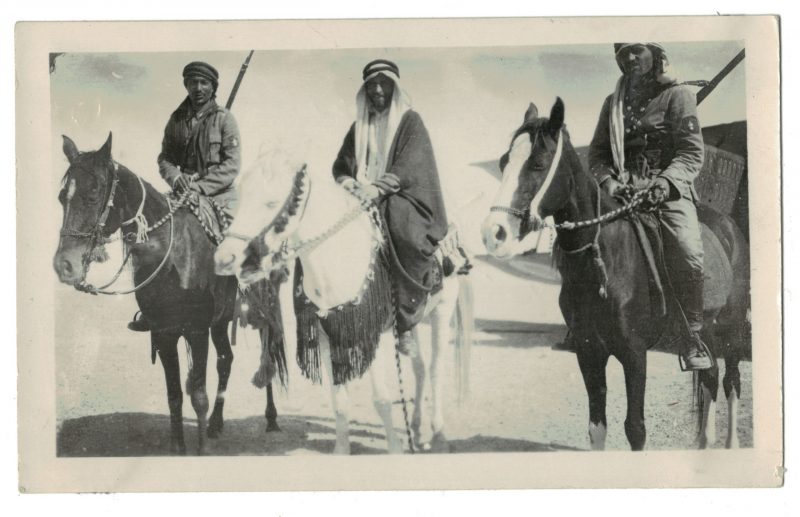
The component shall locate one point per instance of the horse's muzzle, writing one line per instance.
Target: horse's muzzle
(69, 267)
(498, 235)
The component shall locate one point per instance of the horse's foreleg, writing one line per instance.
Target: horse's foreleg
(271, 412)
(635, 368)
(219, 336)
(732, 385)
(196, 383)
(381, 398)
(338, 397)
(166, 344)
(593, 369)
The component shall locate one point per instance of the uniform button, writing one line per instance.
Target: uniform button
(628, 130)
(628, 108)
(641, 109)
(638, 122)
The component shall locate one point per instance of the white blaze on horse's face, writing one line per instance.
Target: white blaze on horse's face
(501, 230)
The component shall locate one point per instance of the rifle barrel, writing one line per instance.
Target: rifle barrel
(703, 93)
(238, 80)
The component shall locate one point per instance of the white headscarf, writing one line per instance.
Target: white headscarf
(374, 131)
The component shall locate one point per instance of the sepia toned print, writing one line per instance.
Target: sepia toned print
(432, 259)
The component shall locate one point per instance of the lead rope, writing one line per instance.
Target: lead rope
(400, 375)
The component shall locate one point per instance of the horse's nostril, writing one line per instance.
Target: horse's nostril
(66, 267)
(499, 233)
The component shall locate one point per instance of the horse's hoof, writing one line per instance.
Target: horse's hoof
(439, 443)
(343, 450)
(215, 428)
(273, 427)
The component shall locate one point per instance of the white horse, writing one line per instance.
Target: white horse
(333, 232)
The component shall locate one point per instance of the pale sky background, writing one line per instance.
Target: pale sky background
(471, 100)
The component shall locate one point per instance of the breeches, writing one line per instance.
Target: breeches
(683, 245)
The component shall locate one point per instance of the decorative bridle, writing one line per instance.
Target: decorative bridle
(293, 209)
(525, 216)
(97, 234)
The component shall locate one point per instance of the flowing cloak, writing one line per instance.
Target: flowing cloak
(413, 210)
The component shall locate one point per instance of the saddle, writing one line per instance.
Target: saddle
(209, 214)
(716, 286)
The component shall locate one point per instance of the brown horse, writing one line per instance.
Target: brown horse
(173, 270)
(606, 296)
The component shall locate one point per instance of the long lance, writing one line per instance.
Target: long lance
(708, 88)
(238, 81)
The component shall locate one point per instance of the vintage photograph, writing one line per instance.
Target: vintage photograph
(531, 249)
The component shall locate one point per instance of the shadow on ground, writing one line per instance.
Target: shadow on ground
(145, 434)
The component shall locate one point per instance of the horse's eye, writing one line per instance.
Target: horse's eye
(271, 204)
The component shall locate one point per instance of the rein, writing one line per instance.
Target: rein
(525, 215)
(287, 253)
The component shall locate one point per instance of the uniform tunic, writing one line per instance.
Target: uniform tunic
(206, 143)
(662, 138)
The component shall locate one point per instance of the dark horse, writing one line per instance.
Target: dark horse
(606, 296)
(173, 269)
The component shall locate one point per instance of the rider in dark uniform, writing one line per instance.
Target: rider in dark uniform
(648, 136)
(200, 149)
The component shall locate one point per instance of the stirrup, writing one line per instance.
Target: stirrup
(139, 323)
(705, 353)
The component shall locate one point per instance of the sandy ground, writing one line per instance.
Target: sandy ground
(524, 396)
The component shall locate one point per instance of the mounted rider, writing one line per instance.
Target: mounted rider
(648, 136)
(200, 151)
(389, 153)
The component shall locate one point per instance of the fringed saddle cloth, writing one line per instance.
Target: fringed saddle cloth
(353, 328)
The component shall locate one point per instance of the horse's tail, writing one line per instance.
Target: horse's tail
(465, 327)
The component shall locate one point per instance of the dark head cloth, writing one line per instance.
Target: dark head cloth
(380, 65)
(201, 69)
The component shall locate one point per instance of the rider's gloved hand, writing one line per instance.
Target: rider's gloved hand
(613, 187)
(371, 191)
(181, 183)
(658, 192)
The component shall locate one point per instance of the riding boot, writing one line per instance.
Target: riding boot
(689, 291)
(139, 323)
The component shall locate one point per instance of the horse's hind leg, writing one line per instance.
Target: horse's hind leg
(167, 346)
(219, 336)
(732, 385)
(707, 390)
(383, 363)
(440, 334)
(196, 383)
(593, 368)
(418, 364)
(271, 413)
(635, 368)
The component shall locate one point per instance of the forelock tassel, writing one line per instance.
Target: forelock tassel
(600, 266)
(141, 228)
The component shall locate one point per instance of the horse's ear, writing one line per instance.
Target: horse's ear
(531, 114)
(70, 149)
(503, 162)
(105, 151)
(556, 116)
